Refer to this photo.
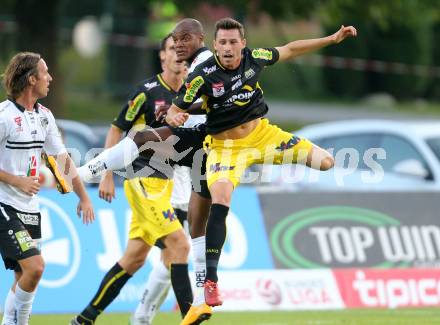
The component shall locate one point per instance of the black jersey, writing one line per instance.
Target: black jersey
(139, 110)
(230, 97)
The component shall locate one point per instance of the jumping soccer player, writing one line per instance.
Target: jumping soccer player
(187, 151)
(148, 189)
(238, 135)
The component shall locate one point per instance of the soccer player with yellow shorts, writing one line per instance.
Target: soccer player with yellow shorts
(148, 189)
(238, 135)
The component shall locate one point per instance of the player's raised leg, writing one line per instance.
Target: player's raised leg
(128, 149)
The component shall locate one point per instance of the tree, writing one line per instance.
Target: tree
(37, 31)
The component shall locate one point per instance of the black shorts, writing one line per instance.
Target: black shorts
(191, 143)
(18, 234)
(182, 216)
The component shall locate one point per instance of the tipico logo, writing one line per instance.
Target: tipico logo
(60, 245)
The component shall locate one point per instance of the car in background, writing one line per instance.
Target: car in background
(369, 155)
(83, 142)
(79, 139)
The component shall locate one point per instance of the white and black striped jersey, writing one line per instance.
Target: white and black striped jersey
(23, 135)
(200, 56)
(182, 179)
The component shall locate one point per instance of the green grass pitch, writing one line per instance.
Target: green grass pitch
(345, 317)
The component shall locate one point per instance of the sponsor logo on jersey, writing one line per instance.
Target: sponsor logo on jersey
(25, 240)
(249, 73)
(192, 88)
(215, 168)
(209, 70)
(28, 219)
(237, 84)
(262, 54)
(158, 104)
(32, 166)
(97, 167)
(134, 106)
(218, 89)
(236, 77)
(150, 85)
(243, 97)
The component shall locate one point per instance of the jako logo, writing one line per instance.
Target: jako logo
(270, 291)
(218, 168)
(60, 245)
(292, 142)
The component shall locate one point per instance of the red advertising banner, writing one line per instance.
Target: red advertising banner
(388, 288)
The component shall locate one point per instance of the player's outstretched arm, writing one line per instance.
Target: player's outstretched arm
(300, 47)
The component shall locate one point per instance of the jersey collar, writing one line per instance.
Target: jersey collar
(21, 108)
(164, 84)
(218, 61)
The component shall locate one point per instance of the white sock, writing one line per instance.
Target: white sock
(9, 312)
(158, 285)
(113, 158)
(23, 305)
(198, 247)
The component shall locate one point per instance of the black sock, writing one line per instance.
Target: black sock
(109, 289)
(181, 286)
(215, 238)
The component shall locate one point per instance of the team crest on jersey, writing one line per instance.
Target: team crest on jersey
(44, 121)
(218, 89)
(158, 103)
(17, 121)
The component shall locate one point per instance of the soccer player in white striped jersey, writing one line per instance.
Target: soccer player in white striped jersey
(27, 128)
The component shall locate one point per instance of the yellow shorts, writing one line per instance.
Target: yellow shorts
(153, 216)
(267, 143)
